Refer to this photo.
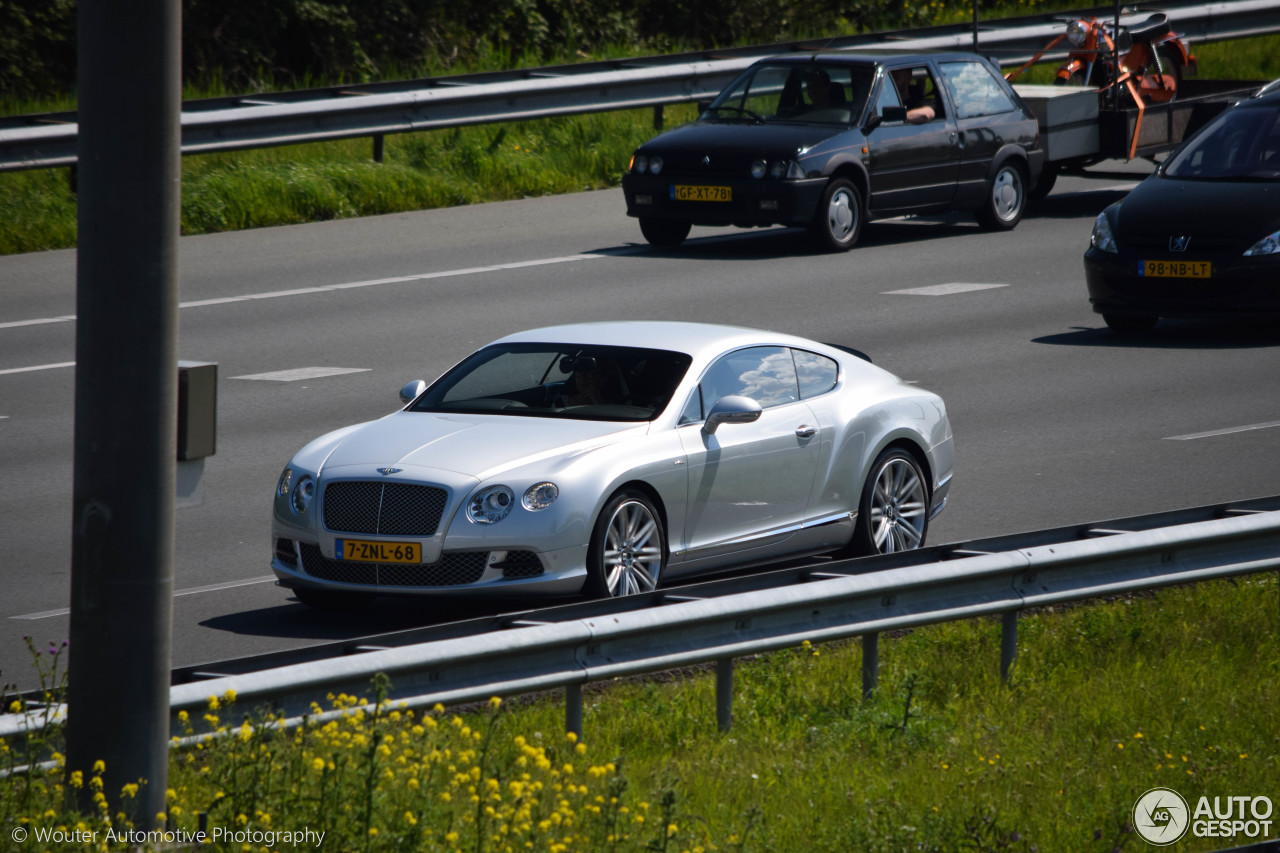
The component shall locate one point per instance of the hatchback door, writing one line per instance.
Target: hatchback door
(913, 165)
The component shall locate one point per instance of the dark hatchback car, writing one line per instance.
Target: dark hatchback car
(1200, 237)
(829, 141)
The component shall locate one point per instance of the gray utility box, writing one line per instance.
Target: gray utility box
(197, 409)
(1068, 117)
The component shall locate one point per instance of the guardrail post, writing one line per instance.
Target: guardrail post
(657, 117)
(724, 693)
(377, 148)
(1008, 643)
(870, 664)
(573, 709)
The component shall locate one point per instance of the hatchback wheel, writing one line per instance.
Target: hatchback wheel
(1129, 324)
(628, 547)
(664, 233)
(1006, 198)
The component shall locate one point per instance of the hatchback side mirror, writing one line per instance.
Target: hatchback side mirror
(731, 410)
(898, 114)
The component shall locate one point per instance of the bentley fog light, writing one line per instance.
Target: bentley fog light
(1101, 238)
(303, 492)
(490, 505)
(1268, 245)
(540, 496)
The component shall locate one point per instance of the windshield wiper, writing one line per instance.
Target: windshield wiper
(742, 110)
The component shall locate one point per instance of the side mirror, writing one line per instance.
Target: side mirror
(412, 391)
(898, 114)
(731, 410)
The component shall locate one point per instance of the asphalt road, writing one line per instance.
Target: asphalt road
(1057, 420)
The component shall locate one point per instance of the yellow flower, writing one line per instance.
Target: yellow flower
(317, 764)
(213, 703)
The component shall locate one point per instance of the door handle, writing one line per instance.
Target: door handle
(806, 431)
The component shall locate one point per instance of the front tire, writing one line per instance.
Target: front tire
(628, 548)
(837, 223)
(664, 233)
(1006, 198)
(893, 514)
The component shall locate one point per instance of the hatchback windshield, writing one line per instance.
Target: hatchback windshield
(1242, 144)
(812, 92)
(606, 383)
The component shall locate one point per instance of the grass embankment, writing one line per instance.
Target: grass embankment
(307, 183)
(1106, 701)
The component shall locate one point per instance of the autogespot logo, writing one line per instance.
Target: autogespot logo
(1161, 816)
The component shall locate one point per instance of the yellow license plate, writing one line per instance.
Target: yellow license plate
(689, 192)
(1175, 269)
(362, 551)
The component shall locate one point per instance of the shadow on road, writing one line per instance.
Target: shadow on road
(384, 615)
(1172, 334)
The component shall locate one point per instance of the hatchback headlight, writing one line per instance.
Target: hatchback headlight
(759, 169)
(655, 165)
(539, 496)
(1268, 245)
(1101, 238)
(490, 505)
(639, 163)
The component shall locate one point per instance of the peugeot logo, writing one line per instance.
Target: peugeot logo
(1179, 244)
(389, 471)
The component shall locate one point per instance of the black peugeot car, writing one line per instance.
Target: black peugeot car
(831, 140)
(1200, 237)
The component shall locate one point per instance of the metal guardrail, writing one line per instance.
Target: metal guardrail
(565, 648)
(374, 110)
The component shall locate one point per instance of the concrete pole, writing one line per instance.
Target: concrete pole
(129, 173)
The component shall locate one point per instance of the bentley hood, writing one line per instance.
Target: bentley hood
(477, 446)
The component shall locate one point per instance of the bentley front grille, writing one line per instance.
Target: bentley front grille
(389, 509)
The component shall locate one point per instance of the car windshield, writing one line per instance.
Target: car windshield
(809, 93)
(1242, 144)
(550, 380)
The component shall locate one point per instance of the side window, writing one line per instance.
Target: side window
(765, 374)
(915, 89)
(693, 409)
(975, 90)
(817, 373)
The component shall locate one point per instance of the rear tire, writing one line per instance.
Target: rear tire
(664, 233)
(893, 514)
(837, 222)
(1006, 198)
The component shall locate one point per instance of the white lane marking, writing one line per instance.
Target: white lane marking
(1216, 432)
(213, 587)
(303, 373)
(13, 324)
(38, 367)
(945, 289)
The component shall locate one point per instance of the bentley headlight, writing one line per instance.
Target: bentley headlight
(286, 479)
(490, 505)
(1268, 245)
(540, 496)
(1101, 238)
(759, 168)
(639, 163)
(655, 165)
(303, 491)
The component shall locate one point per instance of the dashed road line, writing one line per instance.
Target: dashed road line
(213, 587)
(945, 289)
(1217, 432)
(302, 373)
